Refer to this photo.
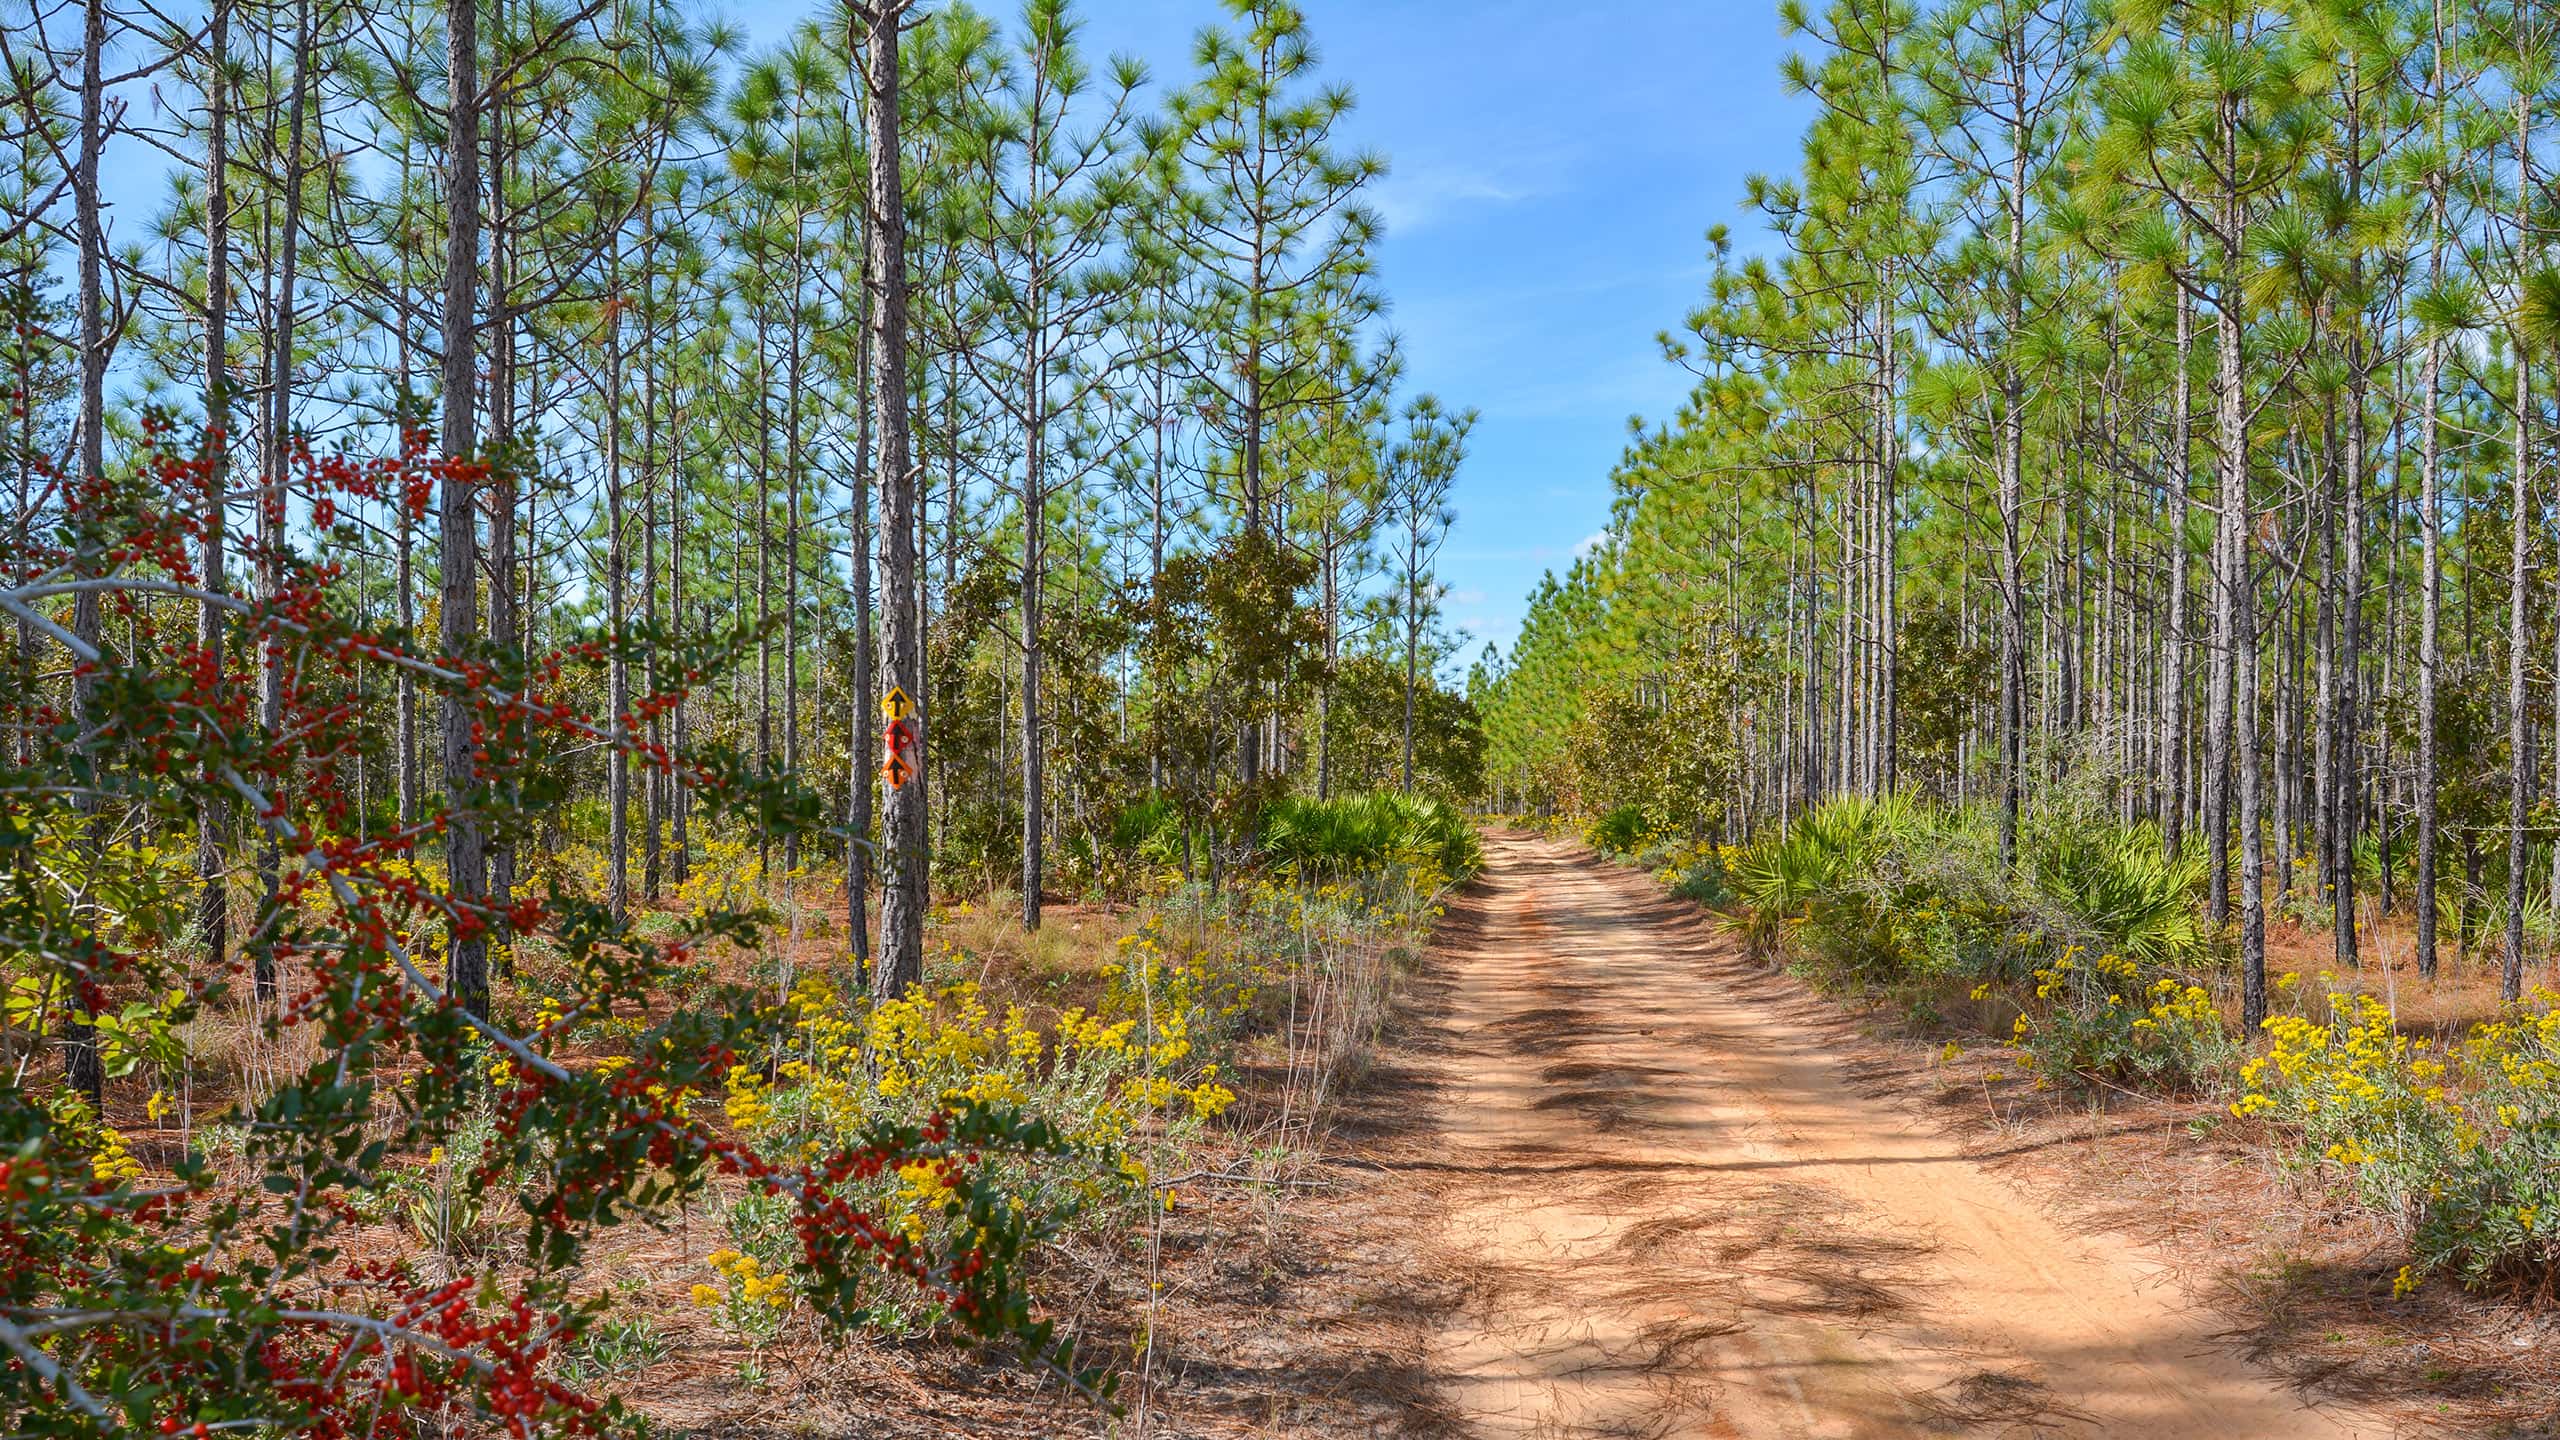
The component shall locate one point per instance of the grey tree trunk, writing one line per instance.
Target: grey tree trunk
(2324, 726)
(213, 909)
(500, 498)
(1888, 548)
(2520, 581)
(792, 459)
(858, 828)
(2431, 545)
(404, 544)
(2239, 732)
(2173, 656)
(2430, 652)
(466, 952)
(81, 1064)
(1034, 537)
(679, 796)
(617, 565)
(654, 783)
(278, 430)
(1412, 651)
(2013, 449)
(2345, 806)
(901, 962)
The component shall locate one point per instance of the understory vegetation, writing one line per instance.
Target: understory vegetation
(614, 633)
(2105, 554)
(2091, 963)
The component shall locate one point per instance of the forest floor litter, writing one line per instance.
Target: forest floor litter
(1604, 1177)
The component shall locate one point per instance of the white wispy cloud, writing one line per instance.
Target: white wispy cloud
(1420, 193)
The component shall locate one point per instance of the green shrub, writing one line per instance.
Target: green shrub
(1619, 832)
(1825, 875)
(1310, 838)
(2107, 1015)
(1889, 896)
(2118, 891)
(1696, 873)
(1149, 828)
(614, 1346)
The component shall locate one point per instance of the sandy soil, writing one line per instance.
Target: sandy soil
(1669, 1207)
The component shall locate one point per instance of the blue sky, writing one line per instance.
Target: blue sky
(1553, 170)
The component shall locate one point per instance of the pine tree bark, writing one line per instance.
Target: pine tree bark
(213, 908)
(1034, 542)
(901, 963)
(2430, 642)
(617, 565)
(2345, 806)
(793, 459)
(1888, 545)
(2239, 598)
(466, 952)
(276, 440)
(501, 495)
(404, 546)
(2232, 721)
(2012, 464)
(865, 743)
(2173, 658)
(81, 1063)
(2520, 582)
(654, 782)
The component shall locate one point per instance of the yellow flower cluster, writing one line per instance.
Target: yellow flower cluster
(930, 1036)
(78, 1127)
(2522, 1046)
(746, 1275)
(922, 1190)
(2357, 1065)
(1683, 858)
(2095, 1014)
(2457, 1144)
(750, 1106)
(2174, 1003)
(1095, 1073)
(113, 1162)
(2113, 972)
(728, 874)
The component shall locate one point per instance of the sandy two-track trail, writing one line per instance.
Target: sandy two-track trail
(1672, 1211)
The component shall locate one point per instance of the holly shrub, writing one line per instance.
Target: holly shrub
(240, 1290)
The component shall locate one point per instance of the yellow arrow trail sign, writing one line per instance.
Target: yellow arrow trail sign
(898, 764)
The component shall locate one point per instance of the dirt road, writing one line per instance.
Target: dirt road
(1674, 1211)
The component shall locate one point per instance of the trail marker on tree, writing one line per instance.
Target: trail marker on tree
(898, 741)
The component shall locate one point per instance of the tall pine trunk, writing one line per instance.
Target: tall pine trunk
(277, 439)
(901, 962)
(213, 909)
(466, 954)
(2173, 658)
(2430, 653)
(81, 1063)
(617, 565)
(858, 827)
(2520, 582)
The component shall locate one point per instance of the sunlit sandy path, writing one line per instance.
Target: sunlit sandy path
(1675, 1214)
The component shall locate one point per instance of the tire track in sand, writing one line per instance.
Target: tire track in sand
(1673, 1214)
